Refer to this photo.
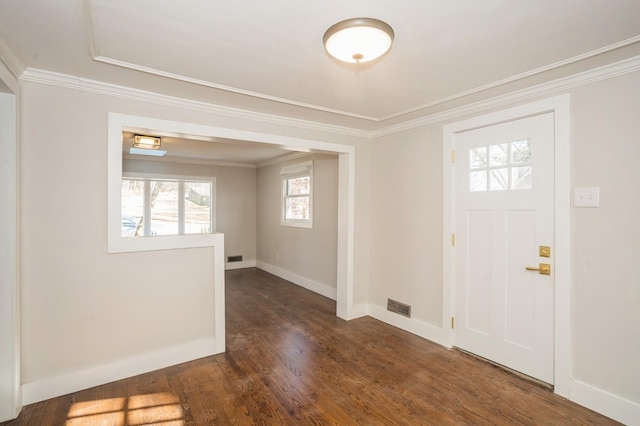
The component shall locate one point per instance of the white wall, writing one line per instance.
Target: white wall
(302, 255)
(84, 309)
(235, 200)
(406, 222)
(72, 289)
(606, 240)
(406, 242)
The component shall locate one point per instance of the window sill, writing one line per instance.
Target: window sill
(297, 223)
(118, 244)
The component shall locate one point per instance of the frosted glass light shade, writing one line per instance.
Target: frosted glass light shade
(147, 151)
(358, 40)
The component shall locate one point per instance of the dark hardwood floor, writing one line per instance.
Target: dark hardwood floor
(291, 361)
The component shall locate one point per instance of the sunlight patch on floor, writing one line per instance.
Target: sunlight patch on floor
(157, 408)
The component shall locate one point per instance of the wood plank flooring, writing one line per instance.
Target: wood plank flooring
(291, 361)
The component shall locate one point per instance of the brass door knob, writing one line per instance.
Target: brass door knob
(543, 269)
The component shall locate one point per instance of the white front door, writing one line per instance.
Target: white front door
(504, 213)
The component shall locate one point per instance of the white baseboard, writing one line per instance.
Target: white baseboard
(601, 401)
(414, 326)
(144, 363)
(239, 265)
(606, 403)
(360, 310)
(305, 282)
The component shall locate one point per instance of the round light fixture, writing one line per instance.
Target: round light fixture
(358, 40)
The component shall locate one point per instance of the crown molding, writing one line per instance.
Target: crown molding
(521, 76)
(87, 20)
(95, 54)
(553, 87)
(102, 88)
(545, 89)
(10, 60)
(212, 85)
(21, 72)
(204, 83)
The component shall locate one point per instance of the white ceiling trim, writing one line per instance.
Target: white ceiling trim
(11, 61)
(521, 76)
(204, 83)
(556, 86)
(541, 90)
(88, 27)
(102, 88)
(95, 55)
(91, 41)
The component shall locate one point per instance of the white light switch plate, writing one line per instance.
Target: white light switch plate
(586, 196)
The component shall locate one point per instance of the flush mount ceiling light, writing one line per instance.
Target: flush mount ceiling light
(146, 145)
(358, 40)
(146, 142)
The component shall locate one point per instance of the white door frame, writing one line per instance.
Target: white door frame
(559, 105)
(345, 307)
(10, 388)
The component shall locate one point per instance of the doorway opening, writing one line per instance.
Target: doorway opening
(119, 123)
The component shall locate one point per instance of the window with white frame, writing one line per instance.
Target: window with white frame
(167, 206)
(297, 195)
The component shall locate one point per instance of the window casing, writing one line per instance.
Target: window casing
(167, 205)
(297, 195)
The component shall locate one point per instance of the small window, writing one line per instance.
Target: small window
(297, 195)
(165, 206)
(501, 167)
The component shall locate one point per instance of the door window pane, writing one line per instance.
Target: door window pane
(478, 181)
(499, 179)
(521, 177)
(499, 155)
(520, 152)
(478, 157)
(508, 166)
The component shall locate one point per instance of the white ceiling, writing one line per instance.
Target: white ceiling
(267, 56)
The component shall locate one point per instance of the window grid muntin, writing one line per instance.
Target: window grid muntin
(289, 174)
(146, 225)
(491, 167)
(289, 196)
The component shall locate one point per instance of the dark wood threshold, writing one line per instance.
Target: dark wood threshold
(522, 376)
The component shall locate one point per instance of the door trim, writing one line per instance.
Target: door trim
(345, 306)
(560, 106)
(10, 378)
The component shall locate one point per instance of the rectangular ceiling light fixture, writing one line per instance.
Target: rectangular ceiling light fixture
(146, 145)
(146, 142)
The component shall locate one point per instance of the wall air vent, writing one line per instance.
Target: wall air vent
(399, 308)
(234, 259)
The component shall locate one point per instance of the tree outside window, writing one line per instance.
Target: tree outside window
(297, 195)
(159, 206)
